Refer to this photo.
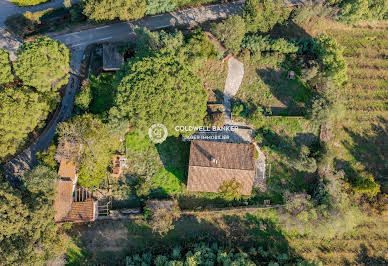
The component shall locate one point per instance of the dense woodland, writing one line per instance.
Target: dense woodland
(328, 189)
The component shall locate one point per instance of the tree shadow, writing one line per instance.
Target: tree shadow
(370, 149)
(293, 94)
(289, 29)
(365, 259)
(174, 152)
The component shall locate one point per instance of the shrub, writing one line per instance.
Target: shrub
(76, 14)
(378, 10)
(356, 10)
(100, 10)
(257, 117)
(303, 161)
(366, 185)
(239, 109)
(230, 189)
(162, 219)
(160, 6)
(5, 67)
(83, 97)
(320, 110)
(307, 12)
(258, 43)
(231, 32)
(28, 2)
(196, 50)
(263, 15)
(353, 10)
(46, 157)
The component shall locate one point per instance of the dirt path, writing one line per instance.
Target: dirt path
(232, 84)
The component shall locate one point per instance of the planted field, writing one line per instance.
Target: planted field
(361, 137)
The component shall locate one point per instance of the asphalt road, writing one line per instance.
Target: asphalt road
(124, 30)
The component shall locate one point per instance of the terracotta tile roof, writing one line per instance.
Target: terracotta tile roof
(63, 200)
(208, 179)
(228, 155)
(67, 169)
(213, 163)
(83, 211)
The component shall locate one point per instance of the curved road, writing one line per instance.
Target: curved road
(77, 43)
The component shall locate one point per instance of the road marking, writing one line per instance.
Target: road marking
(79, 44)
(94, 41)
(164, 26)
(103, 39)
(157, 16)
(107, 26)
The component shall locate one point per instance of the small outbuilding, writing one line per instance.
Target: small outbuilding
(112, 59)
(119, 162)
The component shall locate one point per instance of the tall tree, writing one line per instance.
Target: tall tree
(96, 145)
(159, 89)
(5, 67)
(28, 234)
(43, 64)
(99, 10)
(21, 111)
(263, 15)
(231, 32)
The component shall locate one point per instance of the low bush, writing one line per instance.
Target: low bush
(83, 97)
(259, 43)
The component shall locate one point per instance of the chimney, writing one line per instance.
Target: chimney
(214, 160)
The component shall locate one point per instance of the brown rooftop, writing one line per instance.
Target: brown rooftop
(82, 211)
(72, 204)
(67, 169)
(63, 199)
(222, 155)
(213, 163)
